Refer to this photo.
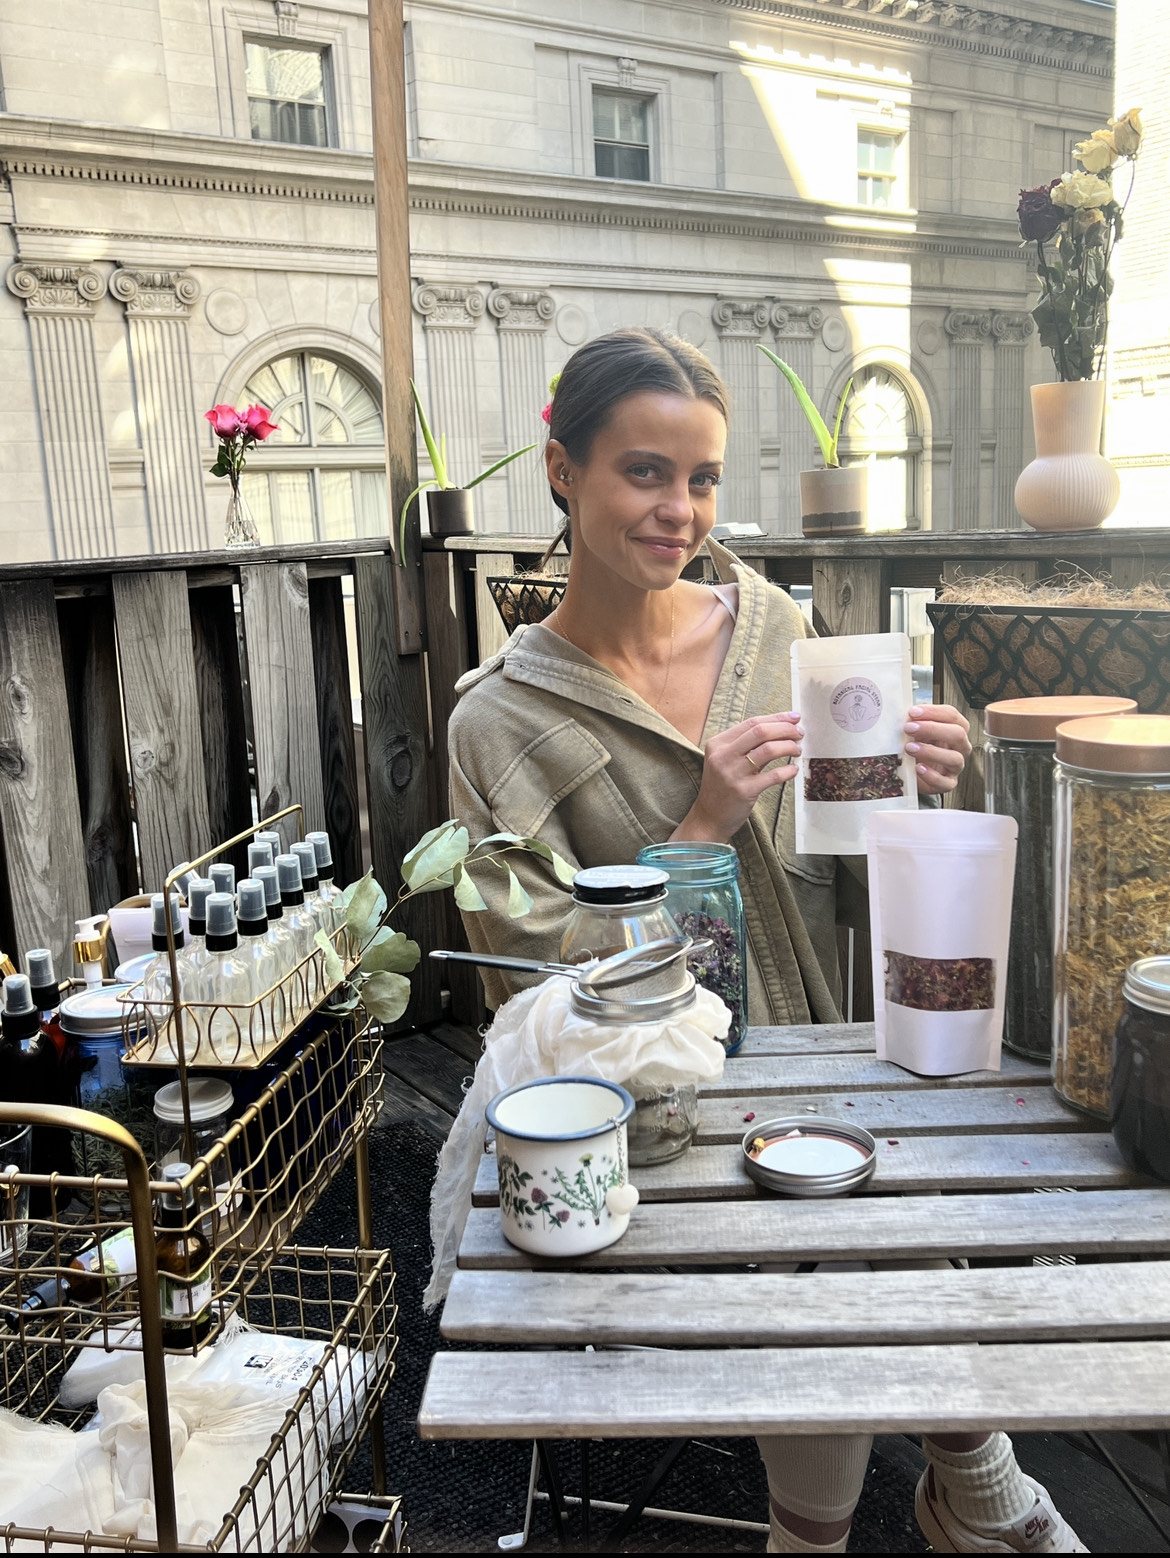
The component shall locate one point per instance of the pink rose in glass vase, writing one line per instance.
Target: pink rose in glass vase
(238, 432)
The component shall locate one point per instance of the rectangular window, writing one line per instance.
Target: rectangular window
(621, 135)
(876, 170)
(286, 94)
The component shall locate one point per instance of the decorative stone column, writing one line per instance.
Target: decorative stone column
(157, 304)
(522, 319)
(1011, 332)
(740, 324)
(450, 315)
(796, 326)
(968, 331)
(58, 303)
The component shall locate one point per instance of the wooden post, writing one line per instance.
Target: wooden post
(216, 647)
(392, 213)
(850, 595)
(490, 633)
(335, 728)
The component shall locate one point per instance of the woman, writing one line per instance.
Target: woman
(648, 708)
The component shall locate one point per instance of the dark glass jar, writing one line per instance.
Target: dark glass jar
(1141, 1069)
(704, 901)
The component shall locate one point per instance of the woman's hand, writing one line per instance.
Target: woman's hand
(736, 773)
(939, 746)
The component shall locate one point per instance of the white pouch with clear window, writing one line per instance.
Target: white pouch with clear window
(854, 695)
(940, 906)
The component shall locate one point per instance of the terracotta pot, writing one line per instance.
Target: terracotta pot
(1070, 485)
(833, 501)
(449, 512)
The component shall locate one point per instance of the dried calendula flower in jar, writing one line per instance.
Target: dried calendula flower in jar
(1112, 886)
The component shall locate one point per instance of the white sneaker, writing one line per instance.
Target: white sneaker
(1042, 1530)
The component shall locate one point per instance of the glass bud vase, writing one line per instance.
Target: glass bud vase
(704, 900)
(239, 528)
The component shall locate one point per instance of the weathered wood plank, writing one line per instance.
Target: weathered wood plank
(462, 1041)
(40, 813)
(822, 1073)
(790, 1390)
(490, 633)
(335, 728)
(905, 1166)
(403, 1105)
(282, 694)
(394, 731)
(956, 1111)
(700, 1233)
(215, 645)
(830, 1038)
(879, 1308)
(430, 1068)
(161, 699)
(850, 596)
(90, 663)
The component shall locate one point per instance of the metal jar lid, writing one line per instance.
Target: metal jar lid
(97, 1013)
(1036, 719)
(817, 1185)
(614, 887)
(1132, 744)
(209, 1099)
(1147, 984)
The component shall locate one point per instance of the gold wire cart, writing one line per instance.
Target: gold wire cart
(312, 1110)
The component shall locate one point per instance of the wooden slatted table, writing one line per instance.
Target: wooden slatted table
(961, 1159)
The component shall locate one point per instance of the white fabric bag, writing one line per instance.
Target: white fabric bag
(940, 903)
(854, 695)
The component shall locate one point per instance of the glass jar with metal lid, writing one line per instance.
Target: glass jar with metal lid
(1112, 886)
(618, 907)
(1019, 747)
(705, 903)
(1141, 1069)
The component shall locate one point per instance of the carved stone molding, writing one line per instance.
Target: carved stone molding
(518, 310)
(1012, 329)
(967, 326)
(287, 12)
(156, 294)
(448, 308)
(741, 317)
(796, 321)
(627, 70)
(56, 289)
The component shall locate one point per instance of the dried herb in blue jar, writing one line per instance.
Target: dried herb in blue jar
(704, 901)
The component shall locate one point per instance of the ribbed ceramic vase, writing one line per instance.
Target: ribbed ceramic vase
(1070, 485)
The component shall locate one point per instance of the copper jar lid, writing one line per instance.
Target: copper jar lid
(1036, 719)
(1117, 743)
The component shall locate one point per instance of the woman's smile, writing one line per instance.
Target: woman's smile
(670, 548)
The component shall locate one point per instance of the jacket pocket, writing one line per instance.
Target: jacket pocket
(549, 768)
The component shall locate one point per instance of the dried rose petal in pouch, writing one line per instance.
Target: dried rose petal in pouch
(940, 898)
(854, 695)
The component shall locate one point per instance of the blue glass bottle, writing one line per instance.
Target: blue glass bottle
(704, 900)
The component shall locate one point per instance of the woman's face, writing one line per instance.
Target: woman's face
(644, 501)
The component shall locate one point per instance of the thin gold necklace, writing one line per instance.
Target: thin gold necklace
(559, 630)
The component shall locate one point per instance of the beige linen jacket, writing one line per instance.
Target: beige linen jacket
(547, 743)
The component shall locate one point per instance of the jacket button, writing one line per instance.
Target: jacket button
(740, 669)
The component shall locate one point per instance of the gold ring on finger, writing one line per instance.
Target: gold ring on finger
(752, 761)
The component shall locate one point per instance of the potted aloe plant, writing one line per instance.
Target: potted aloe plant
(833, 500)
(448, 506)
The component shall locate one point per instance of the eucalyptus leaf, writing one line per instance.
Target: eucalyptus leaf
(342, 1006)
(334, 967)
(467, 894)
(519, 902)
(365, 905)
(430, 865)
(392, 954)
(564, 871)
(386, 996)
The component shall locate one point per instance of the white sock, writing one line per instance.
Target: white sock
(781, 1540)
(984, 1487)
(815, 1476)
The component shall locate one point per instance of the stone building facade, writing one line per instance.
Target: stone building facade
(835, 179)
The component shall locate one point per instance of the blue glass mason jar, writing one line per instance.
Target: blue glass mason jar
(704, 901)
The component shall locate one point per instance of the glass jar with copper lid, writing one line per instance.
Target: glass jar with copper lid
(1112, 886)
(1020, 743)
(1141, 1069)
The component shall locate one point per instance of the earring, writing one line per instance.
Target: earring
(565, 475)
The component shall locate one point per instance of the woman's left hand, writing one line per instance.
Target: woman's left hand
(939, 746)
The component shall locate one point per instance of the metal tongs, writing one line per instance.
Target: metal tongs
(621, 968)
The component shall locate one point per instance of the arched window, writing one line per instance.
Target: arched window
(881, 430)
(322, 477)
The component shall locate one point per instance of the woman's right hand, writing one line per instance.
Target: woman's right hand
(736, 773)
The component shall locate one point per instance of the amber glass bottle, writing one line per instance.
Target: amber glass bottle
(184, 1267)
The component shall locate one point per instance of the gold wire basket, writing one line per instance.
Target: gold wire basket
(342, 1298)
(210, 1035)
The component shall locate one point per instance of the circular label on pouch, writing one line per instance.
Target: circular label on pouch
(855, 704)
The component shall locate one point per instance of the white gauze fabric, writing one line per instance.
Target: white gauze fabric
(538, 1034)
